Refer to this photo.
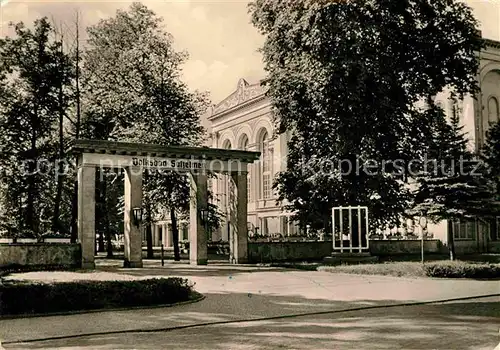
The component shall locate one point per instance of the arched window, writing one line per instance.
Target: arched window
(456, 110)
(266, 158)
(244, 146)
(226, 144)
(493, 112)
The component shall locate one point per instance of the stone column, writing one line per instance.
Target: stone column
(132, 233)
(239, 230)
(170, 235)
(255, 178)
(197, 236)
(168, 240)
(164, 235)
(86, 215)
(283, 225)
(156, 231)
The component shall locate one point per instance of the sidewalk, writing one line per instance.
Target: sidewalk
(236, 293)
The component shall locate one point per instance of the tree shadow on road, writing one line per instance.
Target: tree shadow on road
(183, 269)
(455, 325)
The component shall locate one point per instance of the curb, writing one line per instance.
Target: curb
(205, 324)
(198, 298)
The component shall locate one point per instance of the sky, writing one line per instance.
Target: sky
(218, 35)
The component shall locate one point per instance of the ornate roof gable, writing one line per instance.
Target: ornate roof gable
(244, 92)
(492, 43)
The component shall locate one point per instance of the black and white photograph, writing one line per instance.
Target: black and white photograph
(250, 174)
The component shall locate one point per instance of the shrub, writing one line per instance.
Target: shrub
(33, 298)
(461, 269)
(441, 269)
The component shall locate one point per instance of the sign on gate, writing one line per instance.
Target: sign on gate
(350, 229)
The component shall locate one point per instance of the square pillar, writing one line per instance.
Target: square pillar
(239, 229)
(197, 236)
(132, 233)
(86, 215)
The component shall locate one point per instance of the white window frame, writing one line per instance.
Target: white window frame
(266, 168)
(467, 230)
(497, 106)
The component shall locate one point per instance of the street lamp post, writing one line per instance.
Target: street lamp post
(423, 225)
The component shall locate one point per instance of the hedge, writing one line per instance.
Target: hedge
(440, 269)
(38, 298)
(462, 270)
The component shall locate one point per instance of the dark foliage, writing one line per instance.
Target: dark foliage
(344, 78)
(30, 298)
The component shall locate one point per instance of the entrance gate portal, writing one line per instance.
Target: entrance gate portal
(197, 162)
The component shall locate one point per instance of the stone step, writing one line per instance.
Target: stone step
(350, 259)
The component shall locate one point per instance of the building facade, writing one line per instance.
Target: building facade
(244, 121)
(477, 113)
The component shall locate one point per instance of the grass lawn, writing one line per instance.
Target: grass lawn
(480, 266)
(443, 269)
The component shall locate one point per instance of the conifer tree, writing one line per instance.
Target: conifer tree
(452, 184)
(491, 157)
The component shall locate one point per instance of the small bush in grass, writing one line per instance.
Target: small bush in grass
(34, 298)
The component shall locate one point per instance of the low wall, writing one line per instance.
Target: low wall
(405, 247)
(494, 247)
(466, 247)
(288, 251)
(40, 254)
(34, 240)
(296, 251)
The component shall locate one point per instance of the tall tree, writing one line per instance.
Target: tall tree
(491, 152)
(36, 74)
(452, 184)
(132, 78)
(77, 128)
(491, 157)
(64, 101)
(344, 78)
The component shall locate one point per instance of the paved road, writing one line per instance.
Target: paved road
(244, 293)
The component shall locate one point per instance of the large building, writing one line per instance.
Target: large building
(244, 121)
